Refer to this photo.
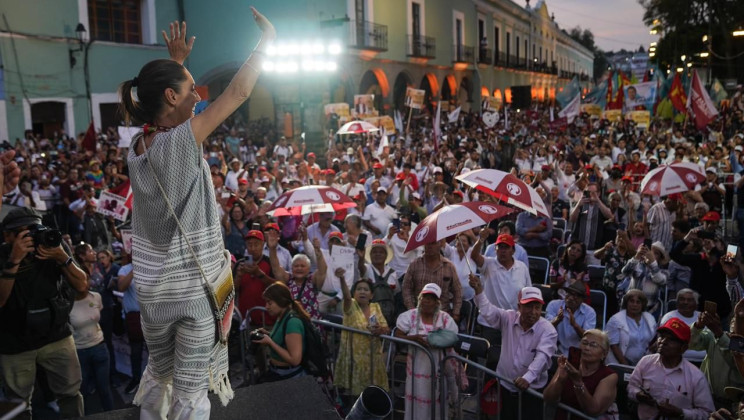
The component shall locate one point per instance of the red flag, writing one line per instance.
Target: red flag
(89, 141)
(700, 103)
(124, 190)
(677, 94)
(617, 101)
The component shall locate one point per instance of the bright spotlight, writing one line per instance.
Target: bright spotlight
(331, 66)
(269, 66)
(680, 69)
(334, 49)
(292, 67)
(318, 48)
(704, 54)
(271, 50)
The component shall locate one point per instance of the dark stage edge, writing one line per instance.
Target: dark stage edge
(297, 398)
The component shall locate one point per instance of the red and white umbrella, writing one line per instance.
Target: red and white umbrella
(310, 199)
(357, 127)
(507, 188)
(453, 219)
(673, 178)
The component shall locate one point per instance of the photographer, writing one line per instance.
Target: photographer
(35, 303)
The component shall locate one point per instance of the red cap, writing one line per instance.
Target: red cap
(311, 154)
(257, 234)
(400, 177)
(458, 193)
(530, 294)
(362, 181)
(627, 178)
(262, 169)
(274, 226)
(711, 216)
(337, 235)
(242, 181)
(588, 166)
(545, 167)
(330, 172)
(675, 197)
(677, 327)
(377, 165)
(505, 238)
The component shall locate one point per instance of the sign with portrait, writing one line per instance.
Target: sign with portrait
(110, 204)
(415, 98)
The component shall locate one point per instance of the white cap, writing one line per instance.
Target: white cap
(530, 294)
(265, 179)
(711, 170)
(437, 169)
(635, 151)
(738, 148)
(592, 136)
(416, 195)
(432, 288)
(382, 189)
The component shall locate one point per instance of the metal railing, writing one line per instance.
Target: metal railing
(462, 53)
(571, 412)
(484, 56)
(421, 46)
(368, 35)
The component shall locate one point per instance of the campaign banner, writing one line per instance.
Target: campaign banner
(126, 240)
(593, 110)
(639, 94)
(340, 108)
(491, 103)
(613, 115)
(385, 122)
(364, 105)
(415, 98)
(641, 118)
(110, 204)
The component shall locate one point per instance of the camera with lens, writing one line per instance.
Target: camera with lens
(46, 236)
(256, 335)
(253, 346)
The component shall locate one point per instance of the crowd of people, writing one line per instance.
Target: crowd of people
(670, 279)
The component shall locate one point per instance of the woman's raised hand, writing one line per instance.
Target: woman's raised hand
(266, 27)
(178, 48)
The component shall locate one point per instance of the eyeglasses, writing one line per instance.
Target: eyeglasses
(590, 344)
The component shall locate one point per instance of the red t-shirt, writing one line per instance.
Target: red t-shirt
(251, 293)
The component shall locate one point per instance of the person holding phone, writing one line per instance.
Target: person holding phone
(660, 217)
(571, 317)
(587, 218)
(644, 272)
(589, 386)
(665, 385)
(252, 275)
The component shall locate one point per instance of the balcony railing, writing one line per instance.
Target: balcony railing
(421, 46)
(463, 53)
(484, 56)
(366, 35)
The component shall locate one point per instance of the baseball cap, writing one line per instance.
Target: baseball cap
(257, 234)
(274, 226)
(711, 216)
(675, 197)
(432, 289)
(234, 160)
(311, 154)
(262, 169)
(545, 167)
(242, 181)
(437, 170)
(627, 178)
(377, 165)
(577, 287)
(265, 179)
(739, 148)
(678, 328)
(416, 195)
(711, 170)
(336, 235)
(505, 238)
(530, 294)
(382, 189)
(330, 172)
(636, 151)
(458, 193)
(400, 177)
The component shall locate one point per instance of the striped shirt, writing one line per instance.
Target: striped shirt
(660, 220)
(444, 274)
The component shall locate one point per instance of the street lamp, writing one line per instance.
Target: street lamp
(80, 32)
(740, 32)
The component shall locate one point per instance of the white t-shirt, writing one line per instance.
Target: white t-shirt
(379, 217)
(502, 286)
(84, 319)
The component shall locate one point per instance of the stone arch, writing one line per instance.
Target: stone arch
(375, 82)
(465, 93)
(402, 81)
(449, 88)
(430, 85)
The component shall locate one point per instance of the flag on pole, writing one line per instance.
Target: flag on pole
(677, 94)
(717, 92)
(566, 96)
(506, 117)
(89, 141)
(572, 109)
(383, 143)
(454, 115)
(551, 114)
(702, 107)
(398, 121)
(437, 128)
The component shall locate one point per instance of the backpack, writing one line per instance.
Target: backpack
(383, 295)
(314, 354)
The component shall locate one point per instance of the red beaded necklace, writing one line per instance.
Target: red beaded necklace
(152, 128)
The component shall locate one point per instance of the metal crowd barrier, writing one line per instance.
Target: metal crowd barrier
(571, 412)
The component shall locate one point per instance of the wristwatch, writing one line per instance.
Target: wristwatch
(67, 262)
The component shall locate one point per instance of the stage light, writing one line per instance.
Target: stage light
(269, 66)
(704, 54)
(334, 49)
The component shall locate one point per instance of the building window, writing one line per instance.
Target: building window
(416, 18)
(517, 49)
(496, 43)
(115, 20)
(508, 47)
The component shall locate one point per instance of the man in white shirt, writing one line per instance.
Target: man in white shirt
(687, 302)
(235, 172)
(378, 215)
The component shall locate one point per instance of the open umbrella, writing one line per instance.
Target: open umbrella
(453, 219)
(672, 178)
(357, 127)
(507, 188)
(310, 199)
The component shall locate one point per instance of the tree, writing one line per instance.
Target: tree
(585, 37)
(682, 24)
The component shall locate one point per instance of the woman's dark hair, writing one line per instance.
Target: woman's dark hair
(354, 286)
(637, 293)
(564, 259)
(79, 254)
(151, 83)
(279, 293)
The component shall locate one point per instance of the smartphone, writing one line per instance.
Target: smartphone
(256, 226)
(361, 241)
(249, 260)
(373, 320)
(710, 307)
(621, 226)
(574, 356)
(213, 154)
(396, 223)
(226, 194)
(647, 243)
(587, 194)
(736, 343)
(731, 251)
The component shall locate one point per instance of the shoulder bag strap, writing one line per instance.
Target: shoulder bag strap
(173, 213)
